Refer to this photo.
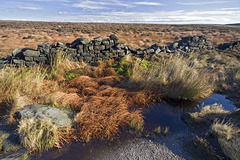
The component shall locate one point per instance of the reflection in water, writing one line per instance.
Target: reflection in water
(219, 99)
(169, 114)
(162, 114)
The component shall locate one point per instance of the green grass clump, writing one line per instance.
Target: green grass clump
(137, 126)
(39, 134)
(71, 75)
(166, 131)
(122, 67)
(157, 130)
(173, 78)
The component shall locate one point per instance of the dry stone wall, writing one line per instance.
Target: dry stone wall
(91, 51)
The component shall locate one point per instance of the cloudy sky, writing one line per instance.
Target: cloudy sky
(123, 11)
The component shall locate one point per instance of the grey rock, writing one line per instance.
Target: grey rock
(105, 42)
(44, 48)
(90, 48)
(80, 41)
(88, 58)
(175, 45)
(57, 116)
(158, 50)
(29, 64)
(72, 51)
(79, 48)
(61, 44)
(18, 61)
(111, 42)
(169, 51)
(120, 45)
(150, 51)
(84, 40)
(31, 53)
(28, 58)
(132, 49)
(98, 39)
(107, 47)
(113, 37)
(101, 47)
(16, 51)
(96, 48)
(96, 43)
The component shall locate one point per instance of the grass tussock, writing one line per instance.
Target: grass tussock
(228, 138)
(173, 78)
(208, 114)
(41, 134)
(62, 68)
(203, 149)
(101, 117)
(23, 86)
(27, 81)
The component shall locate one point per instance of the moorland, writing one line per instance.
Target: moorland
(103, 98)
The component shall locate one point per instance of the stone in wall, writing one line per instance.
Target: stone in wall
(91, 51)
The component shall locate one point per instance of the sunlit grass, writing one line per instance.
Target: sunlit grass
(174, 78)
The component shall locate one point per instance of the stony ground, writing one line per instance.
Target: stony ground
(169, 147)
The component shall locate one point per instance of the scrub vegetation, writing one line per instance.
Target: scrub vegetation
(110, 96)
(101, 96)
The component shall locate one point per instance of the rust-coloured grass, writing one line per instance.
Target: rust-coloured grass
(101, 117)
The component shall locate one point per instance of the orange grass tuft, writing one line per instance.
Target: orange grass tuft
(101, 117)
(82, 82)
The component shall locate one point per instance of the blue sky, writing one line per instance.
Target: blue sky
(123, 11)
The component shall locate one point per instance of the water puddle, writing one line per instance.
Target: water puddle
(169, 114)
(162, 114)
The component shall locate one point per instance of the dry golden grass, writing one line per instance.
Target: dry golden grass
(173, 78)
(228, 137)
(22, 86)
(41, 134)
(209, 114)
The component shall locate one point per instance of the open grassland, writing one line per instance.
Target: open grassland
(20, 34)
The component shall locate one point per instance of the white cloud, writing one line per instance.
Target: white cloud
(90, 5)
(149, 3)
(120, 3)
(202, 3)
(180, 16)
(49, 0)
(63, 13)
(225, 9)
(30, 8)
(104, 4)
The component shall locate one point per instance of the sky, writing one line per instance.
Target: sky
(123, 11)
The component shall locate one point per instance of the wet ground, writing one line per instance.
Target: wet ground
(130, 146)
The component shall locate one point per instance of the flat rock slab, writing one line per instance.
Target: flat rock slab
(57, 116)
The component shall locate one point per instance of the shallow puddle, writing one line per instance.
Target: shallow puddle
(162, 114)
(169, 114)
